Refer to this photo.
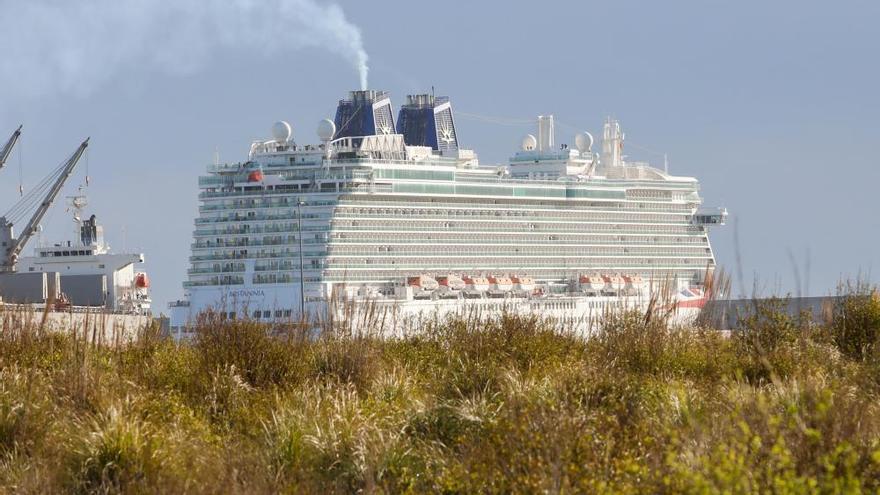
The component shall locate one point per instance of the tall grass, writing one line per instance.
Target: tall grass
(498, 405)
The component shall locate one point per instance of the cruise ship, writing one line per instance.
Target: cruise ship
(395, 217)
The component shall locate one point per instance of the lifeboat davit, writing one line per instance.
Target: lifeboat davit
(592, 282)
(142, 281)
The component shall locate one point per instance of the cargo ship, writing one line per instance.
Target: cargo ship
(68, 285)
(89, 273)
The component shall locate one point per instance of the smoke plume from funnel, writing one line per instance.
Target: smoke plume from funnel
(363, 70)
(75, 47)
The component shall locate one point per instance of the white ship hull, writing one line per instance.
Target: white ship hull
(390, 316)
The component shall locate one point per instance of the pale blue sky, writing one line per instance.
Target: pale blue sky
(772, 105)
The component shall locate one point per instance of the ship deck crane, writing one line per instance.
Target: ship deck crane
(7, 150)
(42, 197)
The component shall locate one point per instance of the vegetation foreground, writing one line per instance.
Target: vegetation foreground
(784, 405)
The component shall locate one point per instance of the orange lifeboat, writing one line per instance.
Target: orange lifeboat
(423, 282)
(634, 282)
(523, 283)
(255, 176)
(614, 282)
(592, 282)
(453, 282)
(476, 283)
(501, 283)
(141, 281)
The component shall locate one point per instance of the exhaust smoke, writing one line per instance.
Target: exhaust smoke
(75, 47)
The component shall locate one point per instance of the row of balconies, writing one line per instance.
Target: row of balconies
(481, 264)
(453, 250)
(366, 213)
(549, 240)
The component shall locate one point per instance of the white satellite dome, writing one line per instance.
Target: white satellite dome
(281, 131)
(529, 142)
(326, 130)
(583, 141)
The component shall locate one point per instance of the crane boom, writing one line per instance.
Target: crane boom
(7, 150)
(8, 262)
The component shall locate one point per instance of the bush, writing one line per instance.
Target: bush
(508, 404)
(261, 359)
(113, 452)
(855, 322)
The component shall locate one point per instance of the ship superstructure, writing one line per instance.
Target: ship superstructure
(401, 215)
(91, 275)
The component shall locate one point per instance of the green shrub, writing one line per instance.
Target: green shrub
(855, 323)
(23, 410)
(113, 452)
(261, 359)
(471, 405)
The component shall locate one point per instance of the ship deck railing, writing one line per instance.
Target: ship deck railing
(469, 203)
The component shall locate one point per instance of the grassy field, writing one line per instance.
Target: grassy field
(784, 405)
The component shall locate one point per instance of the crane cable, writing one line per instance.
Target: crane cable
(20, 170)
(35, 196)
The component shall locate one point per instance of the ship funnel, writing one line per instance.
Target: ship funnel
(91, 234)
(427, 120)
(364, 113)
(612, 144)
(546, 133)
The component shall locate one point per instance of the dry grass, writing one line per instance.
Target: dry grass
(491, 406)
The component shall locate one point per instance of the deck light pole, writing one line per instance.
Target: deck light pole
(302, 283)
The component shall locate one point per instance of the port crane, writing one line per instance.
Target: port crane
(42, 197)
(7, 150)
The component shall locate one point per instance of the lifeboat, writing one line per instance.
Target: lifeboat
(523, 283)
(500, 286)
(592, 282)
(255, 176)
(501, 283)
(474, 287)
(450, 286)
(476, 283)
(614, 282)
(635, 282)
(423, 282)
(142, 281)
(453, 282)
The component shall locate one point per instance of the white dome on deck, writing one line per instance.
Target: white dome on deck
(281, 131)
